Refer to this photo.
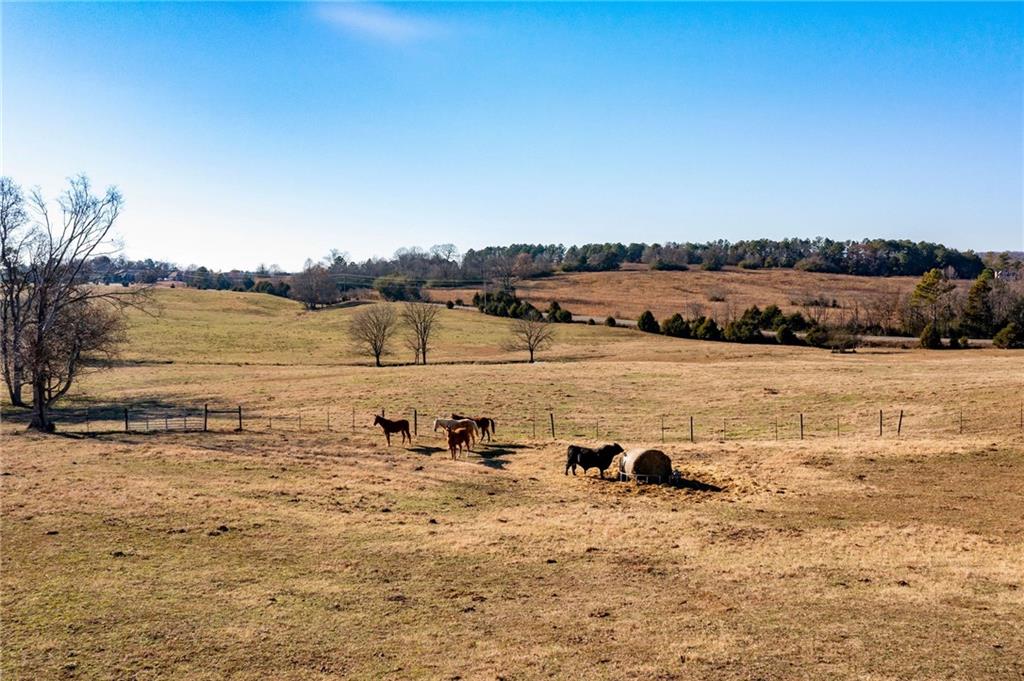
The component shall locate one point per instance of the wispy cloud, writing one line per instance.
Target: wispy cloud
(380, 23)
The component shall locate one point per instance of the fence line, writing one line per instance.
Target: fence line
(667, 427)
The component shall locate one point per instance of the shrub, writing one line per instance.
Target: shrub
(743, 331)
(458, 301)
(667, 266)
(563, 317)
(795, 321)
(817, 336)
(931, 339)
(1010, 336)
(785, 335)
(771, 317)
(648, 323)
(843, 341)
(591, 322)
(676, 326)
(705, 328)
(610, 321)
(449, 304)
(396, 287)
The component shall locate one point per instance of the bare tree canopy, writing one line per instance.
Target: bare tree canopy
(531, 333)
(54, 317)
(314, 286)
(371, 330)
(421, 322)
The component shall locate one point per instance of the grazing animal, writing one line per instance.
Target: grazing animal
(587, 458)
(451, 424)
(486, 425)
(400, 426)
(457, 437)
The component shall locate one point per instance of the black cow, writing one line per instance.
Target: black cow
(587, 458)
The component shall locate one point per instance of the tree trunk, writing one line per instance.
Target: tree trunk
(376, 358)
(14, 385)
(40, 417)
(531, 355)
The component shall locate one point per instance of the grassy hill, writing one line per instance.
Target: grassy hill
(626, 293)
(204, 327)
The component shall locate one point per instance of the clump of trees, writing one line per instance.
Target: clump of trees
(314, 287)
(55, 319)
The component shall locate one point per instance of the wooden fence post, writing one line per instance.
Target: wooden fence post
(239, 418)
(724, 432)
(126, 419)
(533, 420)
(353, 419)
(837, 427)
(776, 428)
(879, 423)
(691, 430)
(415, 422)
(328, 420)
(551, 414)
(662, 430)
(300, 420)
(597, 431)
(87, 419)
(899, 426)
(961, 421)
(801, 425)
(206, 416)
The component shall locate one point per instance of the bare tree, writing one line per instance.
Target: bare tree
(314, 286)
(420, 322)
(64, 316)
(531, 333)
(371, 330)
(13, 244)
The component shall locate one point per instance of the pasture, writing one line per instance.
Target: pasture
(288, 553)
(626, 293)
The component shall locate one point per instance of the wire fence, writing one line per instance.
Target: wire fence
(563, 424)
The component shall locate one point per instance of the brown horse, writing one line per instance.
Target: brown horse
(400, 426)
(485, 424)
(457, 437)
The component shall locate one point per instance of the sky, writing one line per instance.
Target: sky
(243, 134)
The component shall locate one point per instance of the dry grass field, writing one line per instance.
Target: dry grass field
(626, 293)
(295, 554)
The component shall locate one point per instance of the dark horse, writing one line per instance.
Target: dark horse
(400, 426)
(486, 425)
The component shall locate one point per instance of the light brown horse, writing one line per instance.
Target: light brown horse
(485, 424)
(400, 426)
(457, 437)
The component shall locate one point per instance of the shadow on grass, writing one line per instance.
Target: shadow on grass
(426, 450)
(697, 485)
(495, 455)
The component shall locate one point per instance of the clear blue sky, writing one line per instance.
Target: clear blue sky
(248, 133)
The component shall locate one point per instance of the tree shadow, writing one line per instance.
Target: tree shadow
(496, 455)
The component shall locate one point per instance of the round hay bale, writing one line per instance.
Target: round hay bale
(649, 465)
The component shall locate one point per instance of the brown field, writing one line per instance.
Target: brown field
(288, 553)
(625, 294)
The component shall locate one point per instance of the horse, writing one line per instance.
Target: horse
(458, 437)
(451, 424)
(485, 424)
(400, 426)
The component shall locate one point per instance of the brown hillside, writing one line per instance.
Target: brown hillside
(628, 292)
